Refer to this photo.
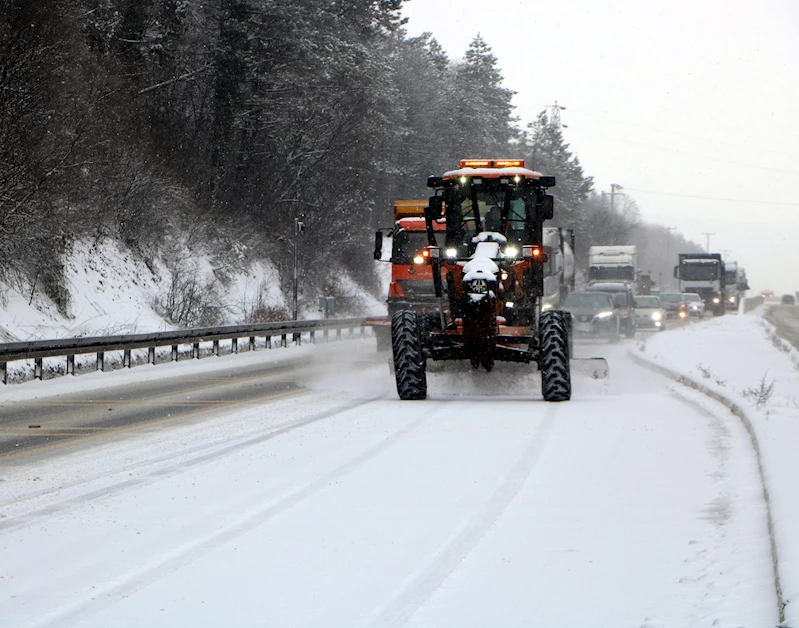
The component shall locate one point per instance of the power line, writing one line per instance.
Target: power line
(714, 198)
(686, 135)
(688, 154)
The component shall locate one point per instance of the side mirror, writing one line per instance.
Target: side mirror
(677, 272)
(547, 207)
(435, 208)
(378, 245)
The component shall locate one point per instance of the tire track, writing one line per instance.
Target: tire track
(181, 464)
(423, 584)
(189, 551)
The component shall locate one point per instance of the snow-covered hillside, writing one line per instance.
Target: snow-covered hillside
(113, 290)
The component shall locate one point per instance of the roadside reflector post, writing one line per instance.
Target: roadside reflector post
(37, 369)
(151, 355)
(215, 350)
(100, 364)
(174, 353)
(338, 334)
(313, 337)
(268, 340)
(4, 372)
(252, 343)
(70, 365)
(126, 359)
(195, 351)
(326, 336)
(234, 347)
(283, 342)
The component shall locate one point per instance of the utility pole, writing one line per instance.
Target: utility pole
(613, 193)
(668, 241)
(707, 234)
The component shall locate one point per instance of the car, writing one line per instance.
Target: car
(674, 304)
(593, 315)
(623, 302)
(695, 304)
(788, 299)
(649, 313)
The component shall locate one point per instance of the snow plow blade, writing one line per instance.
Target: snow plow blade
(595, 368)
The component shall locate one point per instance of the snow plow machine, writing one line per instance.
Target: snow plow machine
(488, 276)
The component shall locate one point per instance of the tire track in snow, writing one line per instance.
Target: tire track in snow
(190, 551)
(421, 586)
(183, 463)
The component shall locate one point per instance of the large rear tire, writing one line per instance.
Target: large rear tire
(409, 362)
(555, 369)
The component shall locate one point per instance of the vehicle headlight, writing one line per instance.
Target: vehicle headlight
(682, 314)
(511, 251)
(732, 299)
(451, 253)
(418, 259)
(606, 314)
(546, 306)
(656, 316)
(716, 300)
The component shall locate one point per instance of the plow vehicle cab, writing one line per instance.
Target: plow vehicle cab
(488, 280)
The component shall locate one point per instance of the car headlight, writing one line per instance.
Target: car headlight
(451, 253)
(511, 251)
(607, 314)
(732, 299)
(682, 314)
(656, 316)
(716, 300)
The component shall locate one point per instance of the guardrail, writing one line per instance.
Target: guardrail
(70, 347)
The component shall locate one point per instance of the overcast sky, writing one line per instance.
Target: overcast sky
(679, 102)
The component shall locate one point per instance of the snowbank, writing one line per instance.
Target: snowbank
(742, 359)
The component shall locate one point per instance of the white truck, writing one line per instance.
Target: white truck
(559, 274)
(613, 263)
(735, 284)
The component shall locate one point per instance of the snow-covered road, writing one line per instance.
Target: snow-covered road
(631, 505)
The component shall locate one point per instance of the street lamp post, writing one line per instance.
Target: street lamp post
(299, 227)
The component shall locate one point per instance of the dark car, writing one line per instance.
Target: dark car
(593, 315)
(674, 304)
(788, 299)
(623, 302)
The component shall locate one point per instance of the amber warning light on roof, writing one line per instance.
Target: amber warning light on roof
(492, 163)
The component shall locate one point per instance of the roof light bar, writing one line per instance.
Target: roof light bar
(492, 163)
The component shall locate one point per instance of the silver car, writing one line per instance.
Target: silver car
(649, 313)
(696, 306)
